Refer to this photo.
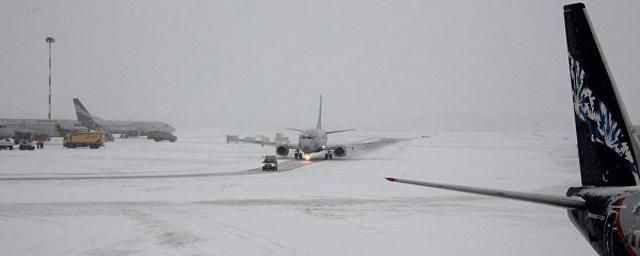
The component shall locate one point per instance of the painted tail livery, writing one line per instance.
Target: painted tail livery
(606, 209)
(89, 121)
(83, 115)
(607, 157)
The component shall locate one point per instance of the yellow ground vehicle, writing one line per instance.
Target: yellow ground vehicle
(160, 136)
(84, 139)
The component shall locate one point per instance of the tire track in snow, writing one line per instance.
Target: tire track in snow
(359, 148)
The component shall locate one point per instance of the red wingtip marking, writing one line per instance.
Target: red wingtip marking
(391, 179)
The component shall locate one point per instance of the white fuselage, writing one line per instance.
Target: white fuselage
(312, 141)
(37, 127)
(140, 127)
(46, 127)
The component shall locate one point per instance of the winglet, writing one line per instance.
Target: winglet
(319, 126)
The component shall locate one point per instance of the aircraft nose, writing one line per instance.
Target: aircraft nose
(306, 147)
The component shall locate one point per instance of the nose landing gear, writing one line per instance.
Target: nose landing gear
(297, 154)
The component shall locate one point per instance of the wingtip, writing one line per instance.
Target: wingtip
(391, 179)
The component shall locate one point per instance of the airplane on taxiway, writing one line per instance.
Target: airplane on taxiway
(309, 141)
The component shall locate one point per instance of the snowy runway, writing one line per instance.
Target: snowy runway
(342, 207)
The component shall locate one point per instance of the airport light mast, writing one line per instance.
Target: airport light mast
(50, 40)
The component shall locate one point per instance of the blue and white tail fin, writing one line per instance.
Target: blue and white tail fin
(87, 120)
(606, 149)
(83, 115)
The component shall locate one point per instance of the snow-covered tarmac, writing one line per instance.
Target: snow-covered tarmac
(340, 207)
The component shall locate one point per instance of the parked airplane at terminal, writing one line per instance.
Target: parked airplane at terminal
(128, 128)
(310, 141)
(47, 128)
(606, 209)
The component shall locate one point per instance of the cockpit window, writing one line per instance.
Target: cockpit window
(306, 137)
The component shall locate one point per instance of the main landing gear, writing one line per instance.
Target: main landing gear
(328, 155)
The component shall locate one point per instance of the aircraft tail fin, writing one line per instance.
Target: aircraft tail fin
(85, 118)
(82, 113)
(319, 126)
(606, 149)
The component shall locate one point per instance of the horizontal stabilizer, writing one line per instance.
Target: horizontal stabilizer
(295, 129)
(560, 201)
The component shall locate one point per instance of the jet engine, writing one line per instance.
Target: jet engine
(340, 151)
(282, 150)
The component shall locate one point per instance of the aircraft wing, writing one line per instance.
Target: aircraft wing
(292, 146)
(560, 201)
(236, 139)
(337, 131)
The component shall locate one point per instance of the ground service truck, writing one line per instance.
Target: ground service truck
(160, 136)
(84, 139)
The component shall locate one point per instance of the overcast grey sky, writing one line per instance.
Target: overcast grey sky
(392, 65)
